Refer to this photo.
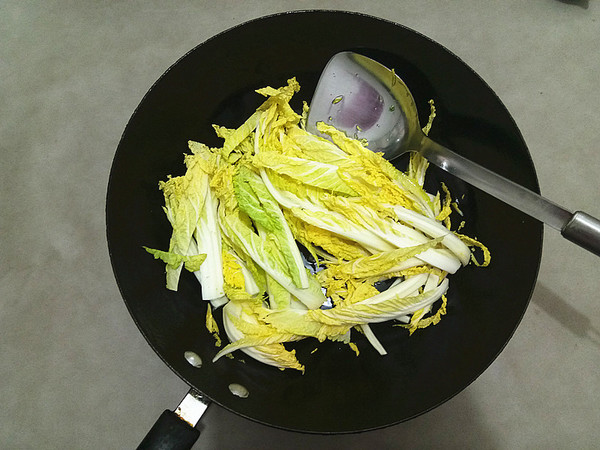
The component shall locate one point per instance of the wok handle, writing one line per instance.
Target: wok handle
(177, 430)
(170, 432)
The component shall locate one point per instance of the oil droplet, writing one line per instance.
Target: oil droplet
(193, 359)
(238, 390)
(338, 99)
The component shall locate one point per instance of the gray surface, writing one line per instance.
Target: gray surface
(75, 371)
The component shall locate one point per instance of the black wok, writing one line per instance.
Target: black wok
(339, 393)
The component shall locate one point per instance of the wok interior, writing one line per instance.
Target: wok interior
(339, 392)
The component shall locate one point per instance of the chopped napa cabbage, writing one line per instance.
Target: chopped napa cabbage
(373, 265)
(394, 233)
(212, 326)
(417, 166)
(313, 173)
(174, 260)
(260, 341)
(279, 297)
(419, 321)
(446, 209)
(366, 329)
(435, 229)
(207, 240)
(337, 246)
(184, 201)
(242, 212)
(487, 256)
(234, 274)
(380, 308)
(256, 201)
(266, 254)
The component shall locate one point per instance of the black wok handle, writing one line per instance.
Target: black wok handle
(170, 432)
(176, 430)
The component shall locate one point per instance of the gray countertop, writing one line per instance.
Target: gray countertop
(75, 371)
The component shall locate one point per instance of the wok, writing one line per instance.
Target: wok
(339, 393)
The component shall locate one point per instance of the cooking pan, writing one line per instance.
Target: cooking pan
(340, 392)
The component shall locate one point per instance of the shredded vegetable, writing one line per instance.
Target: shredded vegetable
(248, 215)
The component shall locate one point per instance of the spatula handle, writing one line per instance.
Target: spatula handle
(580, 228)
(583, 230)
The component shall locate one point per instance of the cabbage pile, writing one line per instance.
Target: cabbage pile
(242, 212)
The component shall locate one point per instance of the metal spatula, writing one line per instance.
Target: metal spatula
(367, 100)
